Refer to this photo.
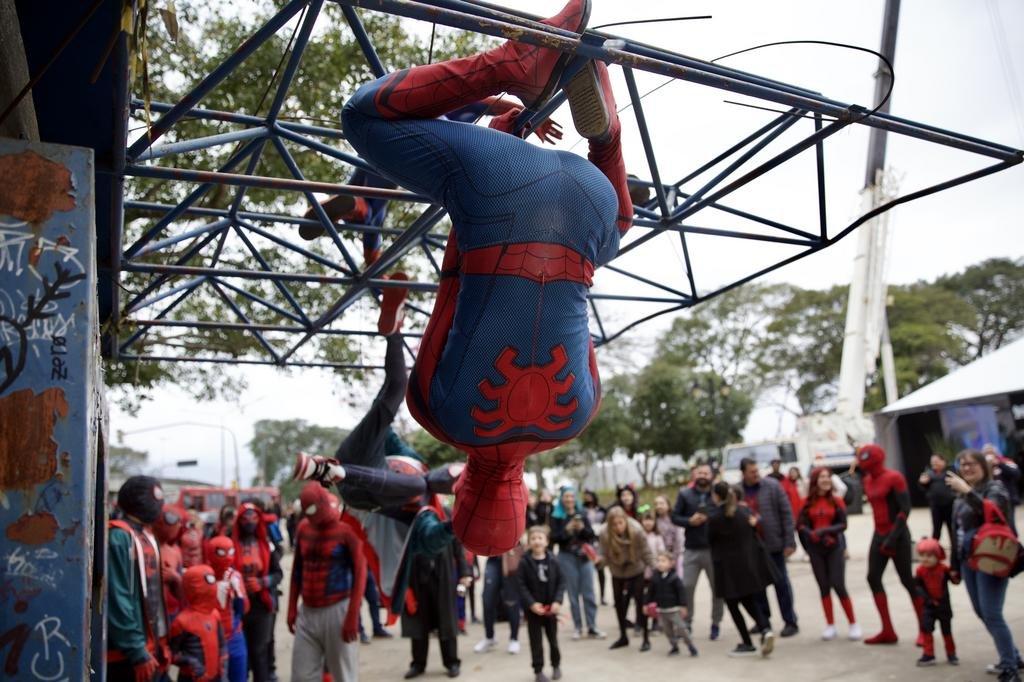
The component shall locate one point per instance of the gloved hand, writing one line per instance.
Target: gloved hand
(146, 671)
(651, 609)
(886, 550)
(253, 585)
(954, 577)
(292, 617)
(350, 630)
(814, 536)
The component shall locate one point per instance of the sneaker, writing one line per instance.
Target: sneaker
(364, 638)
(454, 671)
(767, 642)
(540, 677)
(513, 646)
(382, 634)
(646, 646)
(952, 659)
(829, 633)
(789, 630)
(693, 651)
(743, 650)
(1009, 676)
(485, 644)
(619, 643)
(925, 661)
(674, 651)
(855, 632)
(594, 633)
(556, 673)
(715, 632)
(577, 634)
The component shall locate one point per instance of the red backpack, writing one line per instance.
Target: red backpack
(995, 549)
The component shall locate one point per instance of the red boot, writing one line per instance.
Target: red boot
(919, 610)
(529, 72)
(888, 634)
(392, 307)
(596, 118)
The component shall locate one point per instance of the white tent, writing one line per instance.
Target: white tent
(996, 374)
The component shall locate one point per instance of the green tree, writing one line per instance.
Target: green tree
(275, 443)
(434, 452)
(995, 291)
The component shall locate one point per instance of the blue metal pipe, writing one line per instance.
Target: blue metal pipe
(294, 247)
(365, 44)
(312, 11)
(184, 236)
(202, 114)
(281, 288)
(167, 293)
(246, 361)
(645, 139)
(197, 93)
(239, 326)
(242, 316)
(184, 258)
(300, 319)
(227, 273)
(163, 150)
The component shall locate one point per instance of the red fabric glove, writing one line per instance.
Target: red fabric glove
(350, 629)
(954, 577)
(292, 617)
(814, 536)
(651, 609)
(253, 585)
(145, 671)
(886, 550)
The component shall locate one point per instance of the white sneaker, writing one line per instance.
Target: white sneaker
(829, 633)
(577, 634)
(855, 633)
(513, 646)
(485, 644)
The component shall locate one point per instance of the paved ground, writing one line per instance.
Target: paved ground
(803, 657)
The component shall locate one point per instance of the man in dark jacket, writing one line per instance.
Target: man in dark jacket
(691, 512)
(770, 506)
(940, 496)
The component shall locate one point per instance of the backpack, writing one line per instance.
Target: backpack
(995, 549)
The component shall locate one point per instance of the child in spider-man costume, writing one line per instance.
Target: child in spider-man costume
(506, 367)
(886, 490)
(197, 639)
(932, 579)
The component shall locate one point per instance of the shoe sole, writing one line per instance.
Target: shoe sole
(391, 305)
(559, 68)
(335, 207)
(742, 654)
(587, 104)
(768, 645)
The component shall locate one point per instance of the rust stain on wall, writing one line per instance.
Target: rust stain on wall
(34, 187)
(28, 452)
(33, 529)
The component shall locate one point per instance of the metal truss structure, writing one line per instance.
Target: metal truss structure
(173, 276)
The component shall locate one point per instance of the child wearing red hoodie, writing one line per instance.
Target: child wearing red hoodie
(196, 637)
(932, 579)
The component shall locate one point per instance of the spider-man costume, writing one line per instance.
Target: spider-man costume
(886, 490)
(821, 525)
(506, 367)
(221, 557)
(197, 639)
(167, 529)
(932, 584)
(329, 573)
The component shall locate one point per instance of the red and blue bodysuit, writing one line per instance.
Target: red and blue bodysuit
(221, 557)
(506, 367)
(886, 490)
(197, 639)
(932, 584)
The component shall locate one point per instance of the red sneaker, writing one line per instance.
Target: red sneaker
(541, 67)
(340, 207)
(392, 307)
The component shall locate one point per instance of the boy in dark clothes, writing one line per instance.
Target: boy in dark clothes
(932, 580)
(666, 598)
(541, 588)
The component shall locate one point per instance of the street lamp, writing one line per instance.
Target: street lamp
(234, 440)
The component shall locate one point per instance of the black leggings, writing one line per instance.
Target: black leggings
(752, 603)
(942, 514)
(601, 576)
(257, 626)
(625, 590)
(830, 570)
(878, 561)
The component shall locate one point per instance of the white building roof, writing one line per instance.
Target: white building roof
(995, 374)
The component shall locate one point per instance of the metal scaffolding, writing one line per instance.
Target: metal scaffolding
(172, 277)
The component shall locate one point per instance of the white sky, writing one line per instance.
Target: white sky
(950, 73)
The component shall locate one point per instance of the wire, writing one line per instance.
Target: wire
(649, 21)
(1006, 63)
(888, 64)
(430, 53)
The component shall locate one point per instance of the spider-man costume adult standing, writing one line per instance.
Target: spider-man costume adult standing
(506, 367)
(886, 490)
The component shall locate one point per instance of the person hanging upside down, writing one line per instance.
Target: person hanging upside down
(886, 490)
(506, 367)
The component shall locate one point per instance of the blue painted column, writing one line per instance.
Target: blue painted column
(50, 412)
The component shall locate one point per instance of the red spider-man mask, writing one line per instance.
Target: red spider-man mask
(317, 505)
(871, 458)
(200, 585)
(167, 526)
(220, 554)
(931, 546)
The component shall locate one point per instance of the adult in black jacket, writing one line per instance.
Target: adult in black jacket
(940, 496)
(693, 505)
(741, 566)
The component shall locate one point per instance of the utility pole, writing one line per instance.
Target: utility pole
(865, 313)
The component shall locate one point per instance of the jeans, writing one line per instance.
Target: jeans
(498, 591)
(988, 594)
(579, 581)
(783, 590)
(372, 598)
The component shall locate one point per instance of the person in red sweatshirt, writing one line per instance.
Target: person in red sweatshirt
(932, 579)
(196, 638)
(329, 573)
(167, 529)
